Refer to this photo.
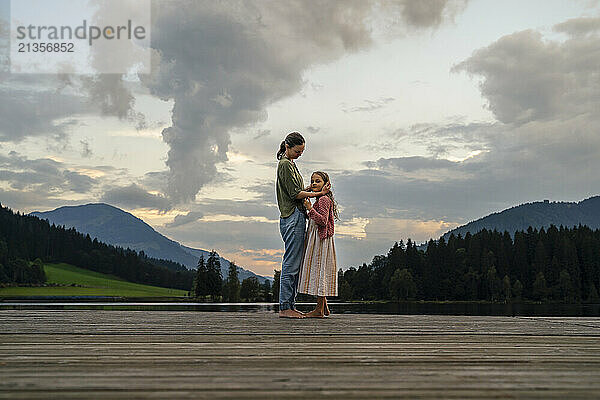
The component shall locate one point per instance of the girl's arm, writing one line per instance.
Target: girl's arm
(324, 205)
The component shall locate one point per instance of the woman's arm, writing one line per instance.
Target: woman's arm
(304, 194)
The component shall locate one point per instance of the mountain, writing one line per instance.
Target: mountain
(536, 214)
(117, 227)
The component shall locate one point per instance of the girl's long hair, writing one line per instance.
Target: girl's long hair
(292, 139)
(329, 194)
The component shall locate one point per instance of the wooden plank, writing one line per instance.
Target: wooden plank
(159, 354)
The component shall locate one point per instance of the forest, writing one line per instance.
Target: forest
(26, 242)
(557, 264)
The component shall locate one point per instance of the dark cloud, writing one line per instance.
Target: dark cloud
(43, 175)
(110, 96)
(579, 26)
(430, 13)
(86, 151)
(527, 78)
(228, 235)
(134, 196)
(184, 219)
(529, 162)
(266, 190)
(244, 56)
(156, 180)
(245, 208)
(33, 200)
(223, 63)
(262, 133)
(35, 113)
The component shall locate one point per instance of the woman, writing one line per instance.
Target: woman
(292, 221)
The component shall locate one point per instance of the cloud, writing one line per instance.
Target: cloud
(32, 200)
(244, 57)
(579, 26)
(35, 113)
(262, 133)
(227, 235)
(134, 196)
(412, 163)
(185, 219)
(86, 151)
(528, 163)
(265, 190)
(49, 104)
(43, 175)
(223, 63)
(430, 13)
(544, 93)
(370, 105)
(110, 96)
(527, 78)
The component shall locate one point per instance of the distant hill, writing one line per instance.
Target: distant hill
(114, 226)
(26, 241)
(536, 214)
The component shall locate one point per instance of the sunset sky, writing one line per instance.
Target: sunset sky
(426, 115)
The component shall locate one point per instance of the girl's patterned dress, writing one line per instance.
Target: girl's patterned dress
(318, 271)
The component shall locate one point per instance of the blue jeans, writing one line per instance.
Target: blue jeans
(292, 230)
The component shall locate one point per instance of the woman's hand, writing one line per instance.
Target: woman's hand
(326, 188)
(307, 203)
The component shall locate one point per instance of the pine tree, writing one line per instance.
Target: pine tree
(540, 289)
(265, 290)
(518, 289)
(200, 284)
(493, 284)
(232, 285)
(402, 285)
(214, 279)
(276, 279)
(593, 294)
(506, 288)
(250, 289)
(566, 286)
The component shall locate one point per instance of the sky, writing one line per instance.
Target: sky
(426, 115)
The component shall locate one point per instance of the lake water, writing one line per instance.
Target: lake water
(408, 308)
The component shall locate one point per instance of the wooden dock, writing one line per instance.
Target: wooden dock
(182, 354)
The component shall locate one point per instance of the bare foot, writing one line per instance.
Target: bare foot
(315, 314)
(290, 314)
(326, 313)
(298, 311)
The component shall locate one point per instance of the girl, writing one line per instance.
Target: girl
(318, 274)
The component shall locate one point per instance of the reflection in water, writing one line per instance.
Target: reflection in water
(406, 308)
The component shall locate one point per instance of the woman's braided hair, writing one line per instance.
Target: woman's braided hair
(292, 139)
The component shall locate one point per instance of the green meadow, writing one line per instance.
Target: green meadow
(90, 283)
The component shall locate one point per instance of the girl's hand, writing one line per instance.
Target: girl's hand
(308, 188)
(307, 203)
(326, 188)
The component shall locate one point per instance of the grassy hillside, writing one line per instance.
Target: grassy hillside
(94, 284)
